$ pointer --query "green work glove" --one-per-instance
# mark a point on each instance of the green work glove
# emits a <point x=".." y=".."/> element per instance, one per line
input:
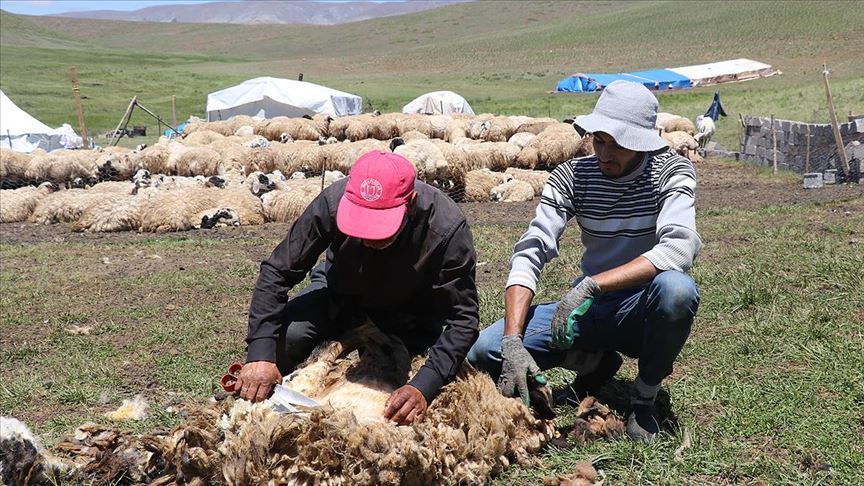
<point x="573" y="305"/>
<point x="517" y="366"/>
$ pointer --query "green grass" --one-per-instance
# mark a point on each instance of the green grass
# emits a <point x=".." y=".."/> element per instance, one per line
<point x="502" y="56"/>
<point x="769" y="385"/>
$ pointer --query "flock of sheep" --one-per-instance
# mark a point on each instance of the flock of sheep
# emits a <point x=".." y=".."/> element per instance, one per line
<point x="245" y="170"/>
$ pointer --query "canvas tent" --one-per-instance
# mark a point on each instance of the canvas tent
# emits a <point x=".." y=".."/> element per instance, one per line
<point x="673" y="78"/>
<point x="269" y="97"/>
<point x="21" y="132"/>
<point x="438" y="103"/>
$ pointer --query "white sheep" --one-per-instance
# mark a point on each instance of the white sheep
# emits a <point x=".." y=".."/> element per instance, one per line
<point x="521" y="139"/>
<point x="537" y="178"/>
<point x="555" y="144"/>
<point x="18" y="204"/>
<point x="427" y="159"/>
<point x="13" y="165"/>
<point x="512" y="191"/>
<point x="668" y="122"/>
<point x="479" y="184"/>
<point x="705" y="127"/>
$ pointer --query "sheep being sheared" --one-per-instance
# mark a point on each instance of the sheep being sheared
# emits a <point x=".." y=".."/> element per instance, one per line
<point x="470" y="433"/>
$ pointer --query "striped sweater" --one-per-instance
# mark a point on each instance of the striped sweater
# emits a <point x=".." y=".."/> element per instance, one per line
<point x="649" y="212"/>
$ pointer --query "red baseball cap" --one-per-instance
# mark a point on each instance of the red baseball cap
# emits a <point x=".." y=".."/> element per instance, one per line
<point x="380" y="186"/>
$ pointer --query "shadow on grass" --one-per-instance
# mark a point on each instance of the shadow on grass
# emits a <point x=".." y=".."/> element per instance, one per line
<point x="616" y="395"/>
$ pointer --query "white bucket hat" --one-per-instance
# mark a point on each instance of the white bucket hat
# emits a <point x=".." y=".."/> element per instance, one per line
<point x="627" y="111"/>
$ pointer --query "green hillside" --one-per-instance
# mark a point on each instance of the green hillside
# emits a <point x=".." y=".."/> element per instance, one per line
<point x="503" y="56"/>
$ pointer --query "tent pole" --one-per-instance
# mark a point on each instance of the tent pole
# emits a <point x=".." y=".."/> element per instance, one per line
<point x="125" y="117"/>
<point x="79" y="109"/>
<point x="157" y="118"/>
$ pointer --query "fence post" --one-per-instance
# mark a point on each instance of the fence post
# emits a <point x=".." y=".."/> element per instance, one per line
<point x="78" y="108"/>
<point x="774" y="143"/>
<point x="841" y="151"/>
<point x="807" y="157"/>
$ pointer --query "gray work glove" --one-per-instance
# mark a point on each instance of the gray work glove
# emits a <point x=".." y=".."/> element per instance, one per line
<point x="517" y="366"/>
<point x="574" y="304"/>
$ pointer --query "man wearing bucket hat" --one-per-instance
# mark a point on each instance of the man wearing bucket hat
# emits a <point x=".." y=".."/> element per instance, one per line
<point x="399" y="253"/>
<point x="634" y="203"/>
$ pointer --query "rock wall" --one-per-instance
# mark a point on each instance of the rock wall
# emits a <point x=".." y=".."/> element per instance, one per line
<point x="792" y="148"/>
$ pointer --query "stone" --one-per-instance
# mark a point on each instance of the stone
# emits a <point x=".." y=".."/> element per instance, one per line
<point x="829" y="176"/>
<point x="812" y="180"/>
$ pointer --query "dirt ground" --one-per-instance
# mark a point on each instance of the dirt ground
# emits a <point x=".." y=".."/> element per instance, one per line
<point x="721" y="185"/>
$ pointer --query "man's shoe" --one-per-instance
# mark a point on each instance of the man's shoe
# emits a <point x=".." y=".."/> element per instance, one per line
<point x="589" y="384"/>
<point x="642" y="424"/>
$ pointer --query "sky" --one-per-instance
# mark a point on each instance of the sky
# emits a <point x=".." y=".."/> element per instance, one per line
<point x="48" y="7"/>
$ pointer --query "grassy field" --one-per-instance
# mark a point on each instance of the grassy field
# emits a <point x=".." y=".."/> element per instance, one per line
<point x="770" y="385"/>
<point x="503" y="56"/>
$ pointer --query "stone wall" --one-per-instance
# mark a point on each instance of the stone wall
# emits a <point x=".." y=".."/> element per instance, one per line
<point x="756" y="145"/>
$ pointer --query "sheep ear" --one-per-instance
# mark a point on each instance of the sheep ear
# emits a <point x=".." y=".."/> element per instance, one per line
<point x="256" y="187"/>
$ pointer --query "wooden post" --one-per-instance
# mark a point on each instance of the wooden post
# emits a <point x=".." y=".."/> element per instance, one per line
<point x="807" y="157"/>
<point x="79" y="109"/>
<point x="174" y="109"/>
<point x="841" y="150"/>
<point x="774" y="143"/>
<point x="124" y="120"/>
<point x="741" y="132"/>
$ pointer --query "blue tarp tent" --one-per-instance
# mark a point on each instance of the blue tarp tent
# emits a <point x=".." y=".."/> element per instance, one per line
<point x="655" y="79"/>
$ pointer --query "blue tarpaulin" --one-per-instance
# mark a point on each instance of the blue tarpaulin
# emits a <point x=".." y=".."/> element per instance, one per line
<point x="655" y="79"/>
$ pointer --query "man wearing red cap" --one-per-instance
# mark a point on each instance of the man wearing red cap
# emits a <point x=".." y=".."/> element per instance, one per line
<point x="399" y="252"/>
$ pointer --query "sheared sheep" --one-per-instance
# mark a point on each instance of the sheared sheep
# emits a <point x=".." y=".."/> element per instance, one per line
<point x="537" y="178"/>
<point x="13" y="165"/>
<point x="192" y="161"/>
<point x="296" y="128"/>
<point x="155" y="159"/>
<point x="62" y="165"/>
<point x="492" y="155"/>
<point x="427" y="159"/>
<point x="536" y="126"/>
<point x="512" y="191"/>
<point x="668" y="122"/>
<point x="555" y="144"/>
<point x="288" y="203"/>
<point x="18" y="204"/>
<point x="202" y="138"/>
<point x="479" y="184"/>
<point x="521" y="139"/>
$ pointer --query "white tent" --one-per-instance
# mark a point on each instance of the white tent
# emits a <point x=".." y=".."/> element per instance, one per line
<point x="21" y="132"/>
<point x="269" y="97"/>
<point x="726" y="71"/>
<point x="438" y="102"/>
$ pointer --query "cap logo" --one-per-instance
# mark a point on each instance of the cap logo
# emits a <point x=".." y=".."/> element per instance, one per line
<point x="370" y="189"/>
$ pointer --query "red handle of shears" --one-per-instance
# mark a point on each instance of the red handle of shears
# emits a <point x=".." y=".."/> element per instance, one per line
<point x="230" y="379"/>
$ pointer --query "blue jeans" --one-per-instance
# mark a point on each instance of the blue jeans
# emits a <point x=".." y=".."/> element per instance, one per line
<point x="651" y="324"/>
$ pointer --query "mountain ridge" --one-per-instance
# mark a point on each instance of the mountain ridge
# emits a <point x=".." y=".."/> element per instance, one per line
<point x="258" y="12"/>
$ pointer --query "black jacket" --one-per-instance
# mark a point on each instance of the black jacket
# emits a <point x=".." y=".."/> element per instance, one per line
<point x="422" y="283"/>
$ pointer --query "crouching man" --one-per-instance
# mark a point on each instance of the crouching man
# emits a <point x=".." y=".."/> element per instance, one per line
<point x="634" y="203"/>
<point x="399" y="253"/>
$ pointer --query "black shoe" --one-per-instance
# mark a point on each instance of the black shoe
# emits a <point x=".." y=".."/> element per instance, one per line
<point x="642" y="423"/>
<point x="590" y="384"/>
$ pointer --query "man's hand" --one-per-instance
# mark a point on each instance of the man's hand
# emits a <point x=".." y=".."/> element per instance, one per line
<point x="574" y="304"/>
<point x="256" y="380"/>
<point x="405" y="406"/>
<point x="516" y="366"/>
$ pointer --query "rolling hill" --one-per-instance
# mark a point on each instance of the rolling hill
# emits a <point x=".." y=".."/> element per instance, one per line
<point x="503" y="56"/>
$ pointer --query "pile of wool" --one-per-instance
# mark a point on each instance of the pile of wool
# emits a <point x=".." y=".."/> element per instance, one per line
<point x="470" y="434"/>
<point x="594" y="420"/>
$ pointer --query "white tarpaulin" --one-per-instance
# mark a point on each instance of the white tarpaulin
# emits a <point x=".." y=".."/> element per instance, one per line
<point x="725" y="71"/>
<point x="21" y="132"/>
<point x="269" y="97"/>
<point x="438" y="103"/>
